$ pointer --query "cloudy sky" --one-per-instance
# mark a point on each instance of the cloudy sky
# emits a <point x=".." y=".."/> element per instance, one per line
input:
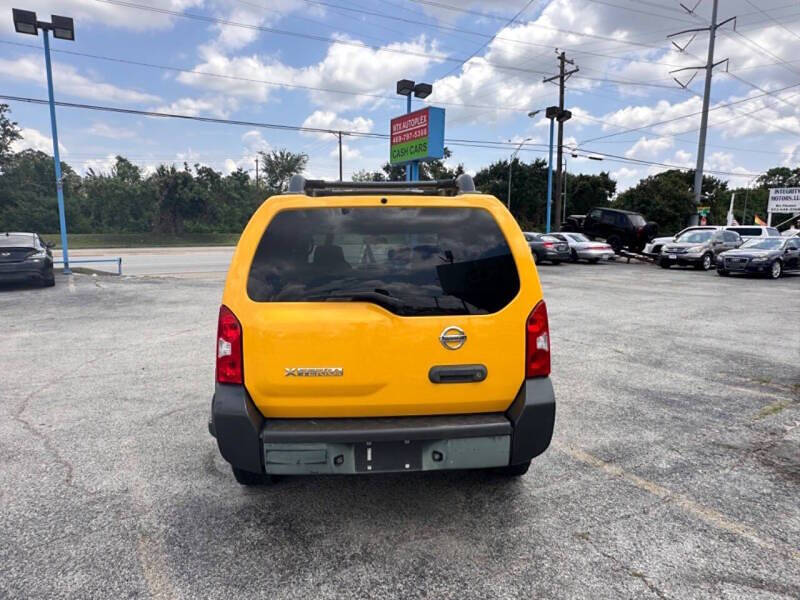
<point x="334" y="63"/>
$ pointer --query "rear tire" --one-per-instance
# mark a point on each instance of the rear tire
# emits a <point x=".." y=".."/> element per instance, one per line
<point x="248" y="478"/>
<point x="573" y="255"/>
<point x="49" y="280"/>
<point x="593" y="261"/>
<point x="556" y="262"/>
<point x="513" y="470"/>
<point x="776" y="270"/>
<point x="616" y="243"/>
<point x="664" y="263"/>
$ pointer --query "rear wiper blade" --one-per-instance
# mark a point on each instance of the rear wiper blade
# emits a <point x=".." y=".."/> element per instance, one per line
<point x="378" y="297"/>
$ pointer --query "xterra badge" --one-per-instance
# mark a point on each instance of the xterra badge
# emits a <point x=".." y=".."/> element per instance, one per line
<point x="313" y="371"/>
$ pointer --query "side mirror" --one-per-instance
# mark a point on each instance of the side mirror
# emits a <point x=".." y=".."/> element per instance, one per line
<point x="50" y="245"/>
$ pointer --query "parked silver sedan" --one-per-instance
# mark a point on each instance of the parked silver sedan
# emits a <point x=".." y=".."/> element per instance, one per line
<point x="582" y="248"/>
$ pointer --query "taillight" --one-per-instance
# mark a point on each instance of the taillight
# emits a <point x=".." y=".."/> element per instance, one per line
<point x="548" y="244"/>
<point x="229" y="348"/>
<point x="537" y="342"/>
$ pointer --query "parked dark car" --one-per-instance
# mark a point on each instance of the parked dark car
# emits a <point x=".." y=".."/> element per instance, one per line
<point x="699" y="248"/>
<point x="547" y="248"/>
<point x="620" y="228"/>
<point x="771" y="256"/>
<point x="25" y="257"/>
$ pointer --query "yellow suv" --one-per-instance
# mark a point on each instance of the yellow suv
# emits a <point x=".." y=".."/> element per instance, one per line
<point x="381" y="327"/>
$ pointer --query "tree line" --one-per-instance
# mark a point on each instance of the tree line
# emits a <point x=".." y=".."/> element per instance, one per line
<point x="199" y="199"/>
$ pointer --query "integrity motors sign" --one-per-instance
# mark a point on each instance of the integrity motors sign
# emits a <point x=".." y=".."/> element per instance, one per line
<point x="417" y="135"/>
<point x="784" y="200"/>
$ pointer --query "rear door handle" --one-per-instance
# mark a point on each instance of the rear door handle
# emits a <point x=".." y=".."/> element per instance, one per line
<point x="457" y="374"/>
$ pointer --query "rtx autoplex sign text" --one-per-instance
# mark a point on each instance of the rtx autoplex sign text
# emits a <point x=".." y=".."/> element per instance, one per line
<point x="417" y="135"/>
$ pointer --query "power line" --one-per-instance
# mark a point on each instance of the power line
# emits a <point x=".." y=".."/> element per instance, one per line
<point x="335" y="41"/>
<point x="489" y="40"/>
<point x="773" y="19"/>
<point x="297" y="128"/>
<point x="694" y="114"/>
<point x="251" y="80"/>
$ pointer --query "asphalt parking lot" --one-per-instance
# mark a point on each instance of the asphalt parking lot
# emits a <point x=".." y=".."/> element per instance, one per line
<point x="674" y="471"/>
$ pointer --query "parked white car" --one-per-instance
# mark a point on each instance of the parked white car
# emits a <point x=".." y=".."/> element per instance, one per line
<point x="582" y="248"/>
<point x="747" y="232"/>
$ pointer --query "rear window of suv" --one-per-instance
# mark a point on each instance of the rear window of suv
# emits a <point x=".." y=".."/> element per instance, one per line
<point x="414" y="261"/>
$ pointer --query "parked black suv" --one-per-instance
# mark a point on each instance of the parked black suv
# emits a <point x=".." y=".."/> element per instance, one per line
<point x="620" y="228"/>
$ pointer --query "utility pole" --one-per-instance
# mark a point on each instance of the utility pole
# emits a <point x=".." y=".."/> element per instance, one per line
<point x="562" y="77"/>
<point x="709" y="69"/>
<point x="340" y="156"/>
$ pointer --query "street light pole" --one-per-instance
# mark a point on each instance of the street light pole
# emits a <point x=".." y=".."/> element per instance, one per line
<point x="510" y="165"/>
<point x="62" y="27"/>
<point x="549" y="178"/>
<point x="62" y="221"/>
<point x="531" y="114"/>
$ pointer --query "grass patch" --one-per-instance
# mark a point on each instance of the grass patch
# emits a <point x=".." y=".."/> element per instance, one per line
<point x="79" y="241"/>
<point x="772" y="409"/>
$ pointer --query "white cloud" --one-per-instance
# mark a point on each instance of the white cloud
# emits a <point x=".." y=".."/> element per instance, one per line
<point x="324" y="119"/>
<point x="68" y="81"/>
<point x="86" y="12"/>
<point x="253" y="142"/>
<point x="350" y="68"/>
<point x="649" y="147"/>
<point x="34" y="139"/>
<point x="232" y="37"/>
<point x="625" y="177"/>
<point x="101" y="165"/>
<point x="107" y="131"/>
<point x="217" y="106"/>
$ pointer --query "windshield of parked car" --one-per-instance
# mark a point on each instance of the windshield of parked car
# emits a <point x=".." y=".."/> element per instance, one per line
<point x="695" y="237"/>
<point x="578" y="237"/>
<point x="764" y="244"/>
<point x="410" y="260"/>
<point x="637" y="220"/>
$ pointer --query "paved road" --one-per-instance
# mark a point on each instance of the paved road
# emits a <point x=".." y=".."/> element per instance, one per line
<point x="674" y="472"/>
<point x="158" y="261"/>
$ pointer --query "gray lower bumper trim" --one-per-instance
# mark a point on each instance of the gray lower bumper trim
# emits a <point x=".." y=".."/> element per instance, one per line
<point x="436" y="455"/>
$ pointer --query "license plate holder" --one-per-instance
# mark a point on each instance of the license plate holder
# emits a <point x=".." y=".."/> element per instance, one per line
<point x="377" y="457"/>
<point x="672" y="256"/>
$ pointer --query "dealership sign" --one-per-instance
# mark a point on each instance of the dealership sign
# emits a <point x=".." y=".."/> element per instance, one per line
<point x="784" y="200"/>
<point x="417" y="135"/>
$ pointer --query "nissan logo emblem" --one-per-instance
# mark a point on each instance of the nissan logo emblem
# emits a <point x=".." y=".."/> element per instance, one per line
<point x="453" y="338"/>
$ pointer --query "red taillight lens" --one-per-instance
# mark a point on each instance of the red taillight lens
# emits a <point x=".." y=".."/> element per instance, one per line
<point x="537" y="342"/>
<point x="229" y="348"/>
<point x="548" y="244"/>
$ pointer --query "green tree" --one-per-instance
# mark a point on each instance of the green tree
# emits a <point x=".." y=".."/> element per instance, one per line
<point x="528" y="189"/>
<point x="280" y="165"/>
<point x="584" y="192"/>
<point x="28" y="194"/>
<point x="9" y="133"/>
<point x="667" y="198"/>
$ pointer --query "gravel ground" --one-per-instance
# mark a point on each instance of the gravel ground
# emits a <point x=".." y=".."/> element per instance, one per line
<point x="674" y="470"/>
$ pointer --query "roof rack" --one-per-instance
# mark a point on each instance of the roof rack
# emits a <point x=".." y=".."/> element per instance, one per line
<point x="462" y="184"/>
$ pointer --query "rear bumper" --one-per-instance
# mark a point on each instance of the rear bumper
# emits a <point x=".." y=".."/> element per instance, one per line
<point x="250" y="442"/>
<point x="22" y="271"/>
<point x="557" y="254"/>
<point x="592" y="254"/>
